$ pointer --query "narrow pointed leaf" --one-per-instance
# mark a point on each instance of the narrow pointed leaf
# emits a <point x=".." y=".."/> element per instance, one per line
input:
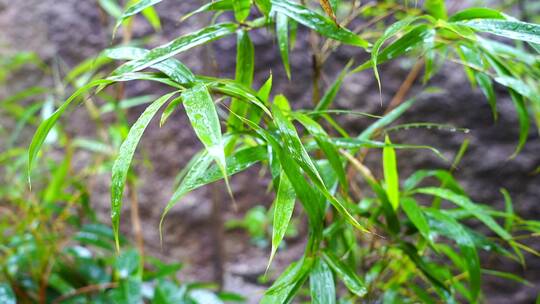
<point x="476" y="13"/>
<point x="125" y="155"/>
<point x="511" y="29"/>
<point x="321" y="284"/>
<point x="219" y="5"/>
<point x="465" y="203"/>
<point x="178" y="45"/>
<point x="245" y="63"/>
<point x="447" y="226"/>
<point x="391" y="179"/>
<point x="283" y="210"/>
<point x="282" y="32"/>
<point x="171" y="67"/>
<point x="169" y="110"/>
<point x="46" y="126"/>
<point x="317" y="22"/>
<point x="346" y="274"/>
<point x="203" y="117"/>
<point x="135" y="9"/>
<point x="241" y="9"/>
<point x="436" y="8"/>
<point x="416" y="215"/>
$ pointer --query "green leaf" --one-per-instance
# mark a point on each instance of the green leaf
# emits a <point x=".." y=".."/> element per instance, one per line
<point x="331" y="93"/>
<point x="449" y="227"/>
<point x="511" y="29"/>
<point x="201" y="173"/>
<point x="123" y="161"/>
<point x="391" y="179"/>
<point x="317" y="22"/>
<point x="282" y="32"/>
<point x="178" y="45"/>
<point x="296" y="151"/>
<point x="327" y="146"/>
<point x="509" y="209"/>
<point x="436" y="8"/>
<point x="349" y="277"/>
<point x="203" y="116"/>
<point x="321" y="283"/>
<point x="416" y="215"/>
<point x="171" y="67"/>
<point x="283" y="210"/>
<point x="241" y="9"/>
<point x="476" y="13"/>
<point x="7" y="296"/>
<point x="264" y="6"/>
<point x="46" y="126"/>
<point x="219" y="5"/>
<point x="152" y="17"/>
<point x="386" y="119"/>
<point x="128" y="291"/>
<point x="134" y="9"/>
<point x="417" y="36"/>
<point x="111" y="7"/>
<point x="245" y="64"/>
<point x="289" y="282"/>
<point x="465" y="203"/>
<point x="169" y="110"/>
<point x="388" y="33"/>
<point x="486" y="85"/>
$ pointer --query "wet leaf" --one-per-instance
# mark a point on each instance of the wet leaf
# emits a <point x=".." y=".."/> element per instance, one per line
<point x="123" y="161"/>
<point x="283" y="210"/>
<point x="346" y="274"/>
<point x="511" y="29"/>
<point x="321" y="284"/>
<point x="176" y="46"/>
<point x="241" y="9"/>
<point x="391" y="179"/>
<point x="318" y="23"/>
<point x="282" y="31"/>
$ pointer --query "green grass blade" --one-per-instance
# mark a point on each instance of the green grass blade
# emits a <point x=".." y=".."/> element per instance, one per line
<point x="123" y="161"/>
<point x="416" y="215"/>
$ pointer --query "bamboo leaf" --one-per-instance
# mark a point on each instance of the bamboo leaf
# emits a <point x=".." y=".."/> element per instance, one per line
<point x="321" y="283"/>
<point x="203" y="117"/>
<point x="325" y="143"/>
<point x="331" y="93"/>
<point x="241" y="9"/>
<point x="171" y="67"/>
<point x="391" y="179"/>
<point x="347" y="275"/>
<point x="169" y="110"/>
<point x="465" y="203"/>
<point x="46" y="126"/>
<point x="135" y="9"/>
<point x="176" y="46"/>
<point x="201" y="173"/>
<point x="219" y="5"/>
<point x="289" y="282"/>
<point x="283" y="210"/>
<point x="317" y="22"/>
<point x="282" y="31"/>
<point x="476" y="13"/>
<point x="245" y="63"/>
<point x="447" y="226"/>
<point x="436" y="8"/>
<point x="123" y="161"/>
<point x="511" y="29"/>
<point x="416" y="215"/>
